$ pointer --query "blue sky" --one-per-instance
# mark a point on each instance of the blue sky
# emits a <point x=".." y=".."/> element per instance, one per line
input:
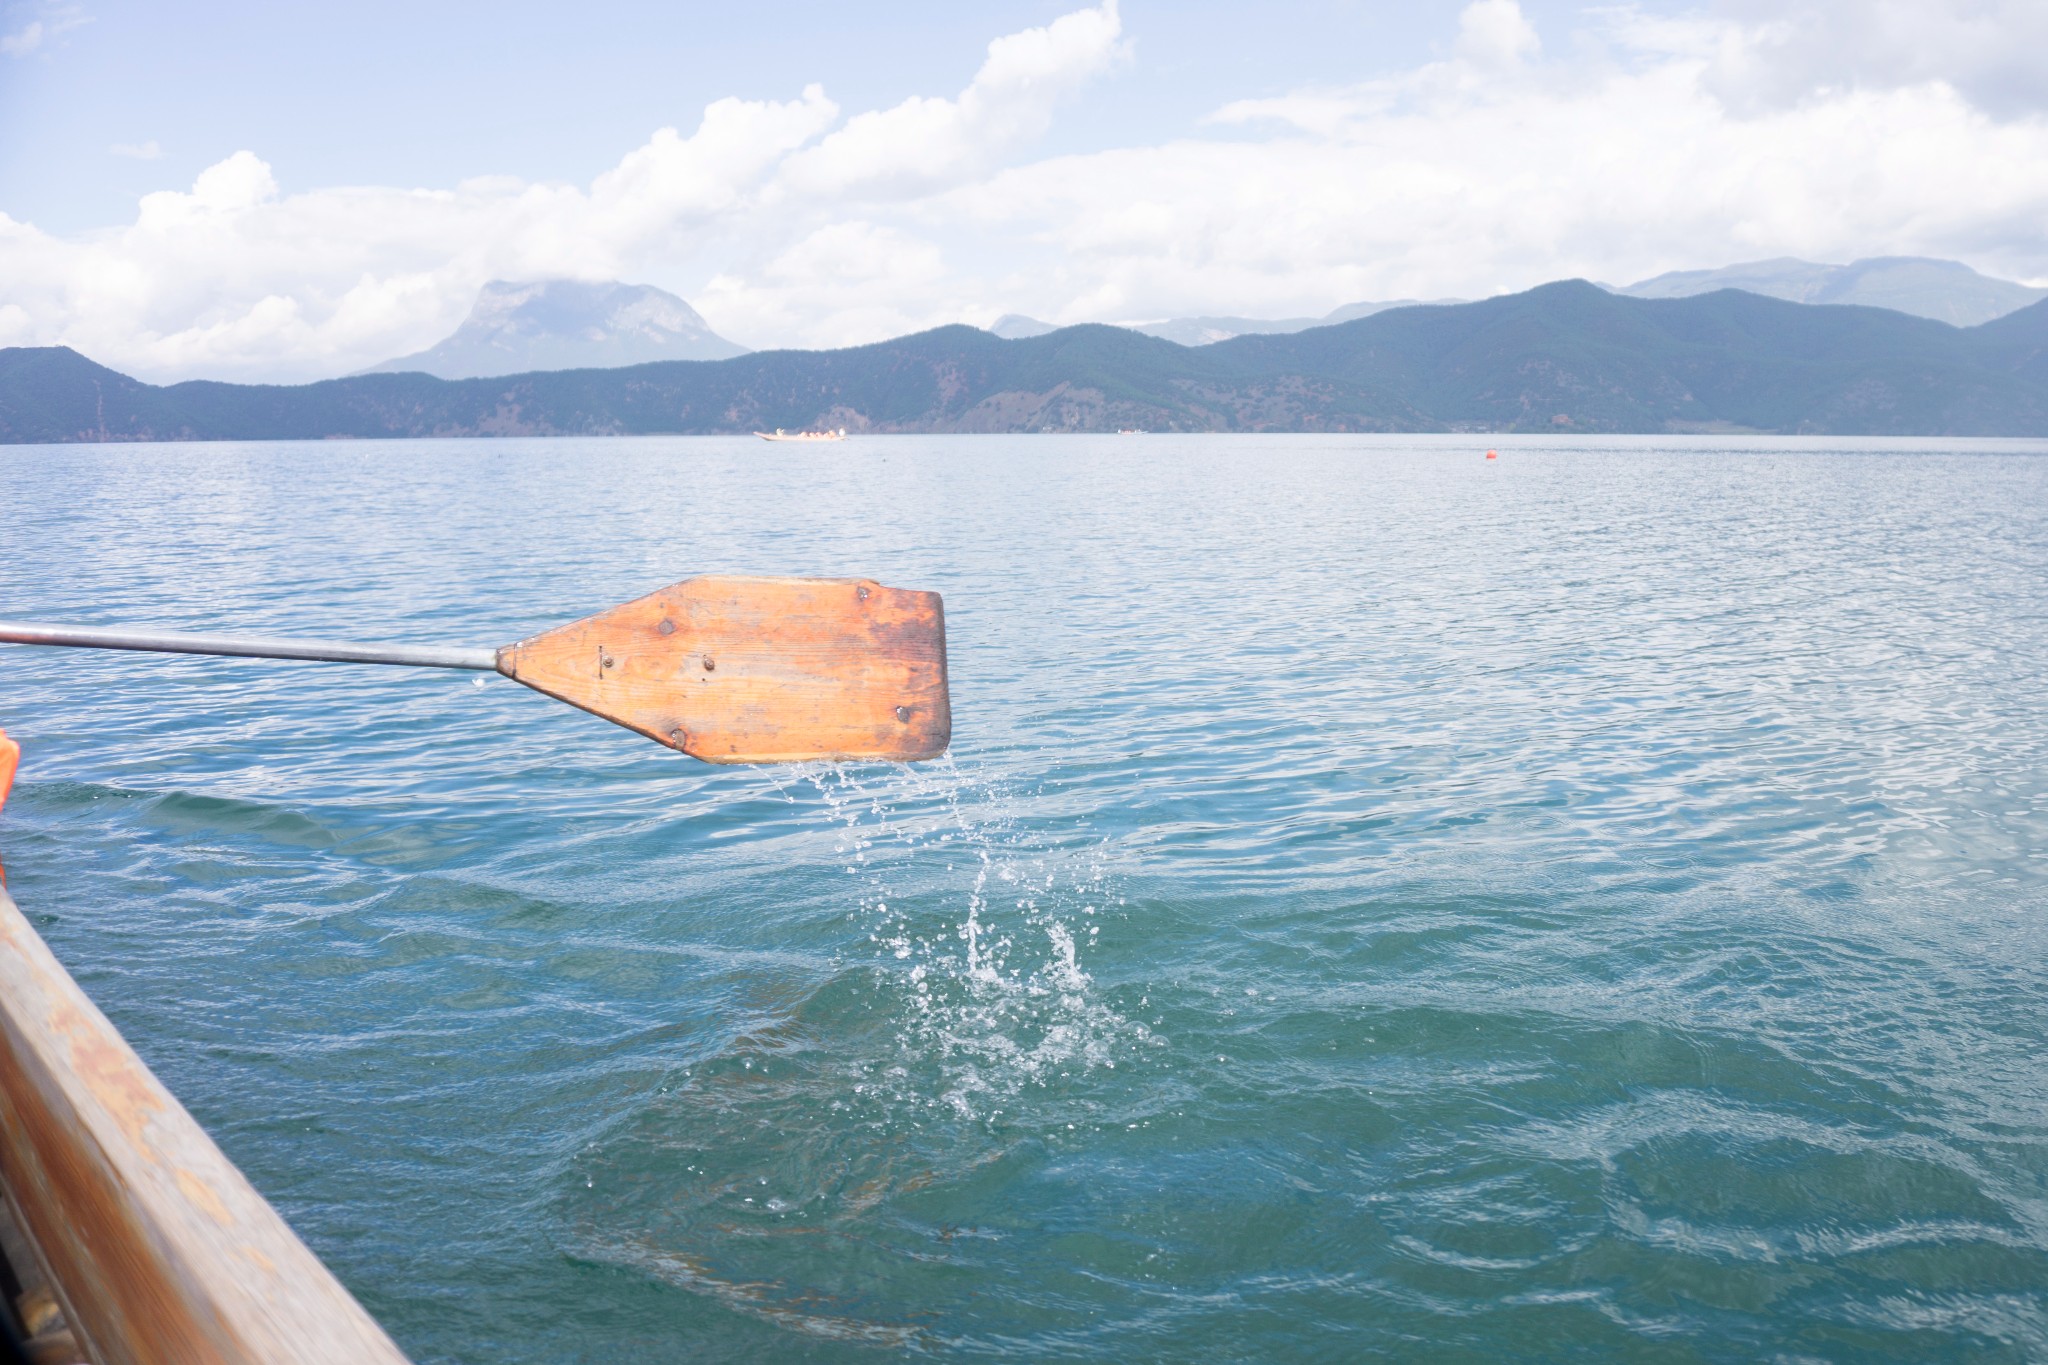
<point x="375" y="92"/>
<point x="267" y="191"/>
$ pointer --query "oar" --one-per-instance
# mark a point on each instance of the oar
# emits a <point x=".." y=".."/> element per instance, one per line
<point x="726" y="669"/>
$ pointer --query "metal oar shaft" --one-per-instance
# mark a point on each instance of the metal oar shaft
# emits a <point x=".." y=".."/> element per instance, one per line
<point x="250" y="646"/>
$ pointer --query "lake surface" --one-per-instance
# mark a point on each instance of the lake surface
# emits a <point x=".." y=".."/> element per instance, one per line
<point x="1588" y="905"/>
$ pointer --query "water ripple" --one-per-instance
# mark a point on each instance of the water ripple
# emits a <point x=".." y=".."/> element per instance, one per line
<point x="1382" y="902"/>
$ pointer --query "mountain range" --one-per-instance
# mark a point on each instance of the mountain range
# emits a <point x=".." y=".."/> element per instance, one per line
<point x="1947" y="291"/>
<point x="1206" y="331"/>
<point x="1565" y="357"/>
<point x="521" y="328"/>
<point x="566" y="325"/>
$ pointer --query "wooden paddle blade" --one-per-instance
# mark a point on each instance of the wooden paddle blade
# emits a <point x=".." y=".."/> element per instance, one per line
<point x="758" y="670"/>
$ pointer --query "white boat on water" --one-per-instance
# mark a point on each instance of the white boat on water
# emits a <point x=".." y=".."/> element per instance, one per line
<point x="779" y="434"/>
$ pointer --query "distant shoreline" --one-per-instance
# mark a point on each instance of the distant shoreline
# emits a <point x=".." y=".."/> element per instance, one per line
<point x="1563" y="359"/>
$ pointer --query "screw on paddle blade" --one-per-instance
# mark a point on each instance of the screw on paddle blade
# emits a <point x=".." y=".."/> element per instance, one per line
<point x="758" y="670"/>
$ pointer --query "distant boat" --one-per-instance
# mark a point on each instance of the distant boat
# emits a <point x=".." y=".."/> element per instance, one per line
<point x="1131" y="431"/>
<point x="780" y="435"/>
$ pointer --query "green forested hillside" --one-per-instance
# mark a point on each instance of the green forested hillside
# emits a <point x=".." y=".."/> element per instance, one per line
<point x="1564" y="357"/>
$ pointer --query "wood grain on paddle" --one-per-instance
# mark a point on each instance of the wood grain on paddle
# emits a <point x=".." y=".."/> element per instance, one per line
<point x="758" y="670"/>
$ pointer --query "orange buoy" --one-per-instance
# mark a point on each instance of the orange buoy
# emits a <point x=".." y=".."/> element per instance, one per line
<point x="1493" y="455"/>
<point x="10" y="755"/>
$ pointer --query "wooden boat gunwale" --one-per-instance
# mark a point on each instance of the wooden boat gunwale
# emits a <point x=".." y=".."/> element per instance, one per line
<point x="156" y="1248"/>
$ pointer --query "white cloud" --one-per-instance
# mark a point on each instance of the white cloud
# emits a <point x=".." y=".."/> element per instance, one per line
<point x="235" y="278"/>
<point x="1494" y="34"/>
<point x="1995" y="52"/>
<point x="138" y="151"/>
<point x="868" y="279"/>
<point x="1492" y="171"/>
<point x="27" y="40"/>
<point x="33" y="35"/>
<point x="923" y="145"/>
<point x="1627" y="146"/>
<point x="674" y="182"/>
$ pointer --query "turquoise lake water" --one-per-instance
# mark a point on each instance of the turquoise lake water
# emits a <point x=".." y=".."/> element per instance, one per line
<point x="1381" y="903"/>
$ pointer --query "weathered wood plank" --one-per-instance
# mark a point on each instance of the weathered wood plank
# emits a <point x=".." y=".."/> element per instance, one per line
<point x="159" y="1250"/>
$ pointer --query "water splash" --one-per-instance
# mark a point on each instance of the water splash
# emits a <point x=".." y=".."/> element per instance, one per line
<point x="979" y="922"/>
